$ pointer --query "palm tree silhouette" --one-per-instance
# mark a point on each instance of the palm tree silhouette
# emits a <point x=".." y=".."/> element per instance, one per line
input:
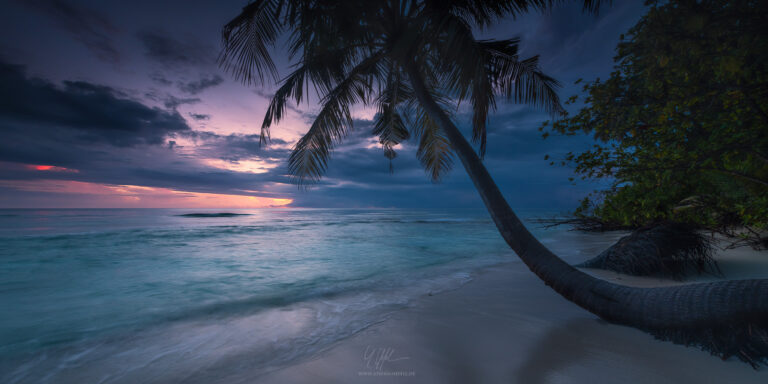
<point x="414" y="61"/>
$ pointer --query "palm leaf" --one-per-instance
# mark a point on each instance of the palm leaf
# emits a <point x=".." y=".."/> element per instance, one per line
<point x="325" y="69"/>
<point x="434" y="151"/>
<point x="309" y="159"/>
<point x="247" y="39"/>
<point x="464" y="63"/>
<point x="292" y="87"/>
<point x="521" y="80"/>
<point x="389" y="124"/>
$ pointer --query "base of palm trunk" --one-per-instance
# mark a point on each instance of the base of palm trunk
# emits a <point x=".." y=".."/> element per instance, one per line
<point x="667" y="249"/>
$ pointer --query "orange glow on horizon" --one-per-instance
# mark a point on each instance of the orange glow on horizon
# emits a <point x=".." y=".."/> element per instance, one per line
<point x="136" y="196"/>
<point x="51" y="168"/>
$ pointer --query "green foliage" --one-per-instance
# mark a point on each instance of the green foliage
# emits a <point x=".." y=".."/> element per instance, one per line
<point x="682" y="122"/>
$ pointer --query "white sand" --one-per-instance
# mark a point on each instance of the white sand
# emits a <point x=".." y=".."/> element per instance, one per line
<point x="506" y="326"/>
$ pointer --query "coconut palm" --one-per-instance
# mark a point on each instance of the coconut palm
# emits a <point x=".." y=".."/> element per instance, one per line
<point x="415" y="61"/>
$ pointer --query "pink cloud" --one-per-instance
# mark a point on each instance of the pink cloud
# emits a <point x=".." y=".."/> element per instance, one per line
<point x="50" y="168"/>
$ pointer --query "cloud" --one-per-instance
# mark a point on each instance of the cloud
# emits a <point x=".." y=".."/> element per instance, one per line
<point x="59" y="133"/>
<point x="89" y="133"/>
<point x="200" y="116"/>
<point x="261" y="92"/>
<point x="82" y="111"/>
<point x="237" y="147"/>
<point x="571" y="43"/>
<point x="290" y="105"/>
<point x="87" y="26"/>
<point x="160" y="79"/>
<point x="78" y="194"/>
<point x="195" y="87"/>
<point x="173" y="102"/>
<point x="171" y="52"/>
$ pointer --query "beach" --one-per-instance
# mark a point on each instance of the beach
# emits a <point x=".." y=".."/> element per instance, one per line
<point x="506" y="326"/>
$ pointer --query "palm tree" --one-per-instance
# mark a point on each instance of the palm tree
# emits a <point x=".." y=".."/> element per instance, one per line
<point x="414" y="61"/>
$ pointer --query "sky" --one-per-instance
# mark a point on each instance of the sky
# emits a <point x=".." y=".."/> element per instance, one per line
<point x="120" y="104"/>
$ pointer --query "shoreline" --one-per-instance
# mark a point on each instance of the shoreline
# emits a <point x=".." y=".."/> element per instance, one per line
<point x="506" y="326"/>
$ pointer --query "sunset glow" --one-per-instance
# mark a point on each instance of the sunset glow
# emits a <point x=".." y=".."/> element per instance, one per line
<point x="129" y="196"/>
<point x="50" y="168"/>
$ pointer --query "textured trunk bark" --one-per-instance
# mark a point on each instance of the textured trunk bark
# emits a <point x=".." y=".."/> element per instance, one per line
<point x="702" y="305"/>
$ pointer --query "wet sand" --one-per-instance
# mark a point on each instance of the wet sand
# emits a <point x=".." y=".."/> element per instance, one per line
<point x="506" y="326"/>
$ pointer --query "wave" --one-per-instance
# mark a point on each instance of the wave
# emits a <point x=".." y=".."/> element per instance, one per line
<point x="219" y="214"/>
<point x="209" y="231"/>
<point x="227" y="338"/>
<point x="410" y="221"/>
<point x="132" y="235"/>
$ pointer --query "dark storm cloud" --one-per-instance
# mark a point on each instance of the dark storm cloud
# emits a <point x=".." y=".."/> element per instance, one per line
<point x="87" y="26"/>
<point x="88" y="113"/>
<point x="172" y="52"/>
<point x="205" y="82"/>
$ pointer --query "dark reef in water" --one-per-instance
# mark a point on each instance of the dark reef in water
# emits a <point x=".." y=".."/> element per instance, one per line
<point x="220" y="214"/>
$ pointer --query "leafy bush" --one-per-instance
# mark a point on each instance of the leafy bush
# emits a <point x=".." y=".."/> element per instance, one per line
<point x="682" y="122"/>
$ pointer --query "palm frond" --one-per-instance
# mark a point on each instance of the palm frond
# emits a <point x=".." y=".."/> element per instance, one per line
<point x="324" y="68"/>
<point x="389" y="124"/>
<point x="390" y="127"/>
<point x="434" y="151"/>
<point x="464" y="64"/>
<point x="521" y="80"/>
<point x="309" y="159"/>
<point x="247" y="39"/>
<point x="292" y="87"/>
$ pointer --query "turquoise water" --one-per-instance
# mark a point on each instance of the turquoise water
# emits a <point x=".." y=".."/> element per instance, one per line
<point x="123" y="295"/>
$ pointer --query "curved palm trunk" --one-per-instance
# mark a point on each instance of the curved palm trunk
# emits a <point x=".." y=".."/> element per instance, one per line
<point x="703" y="306"/>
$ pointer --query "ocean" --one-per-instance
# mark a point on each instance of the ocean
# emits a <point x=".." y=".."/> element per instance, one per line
<point x="153" y="295"/>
